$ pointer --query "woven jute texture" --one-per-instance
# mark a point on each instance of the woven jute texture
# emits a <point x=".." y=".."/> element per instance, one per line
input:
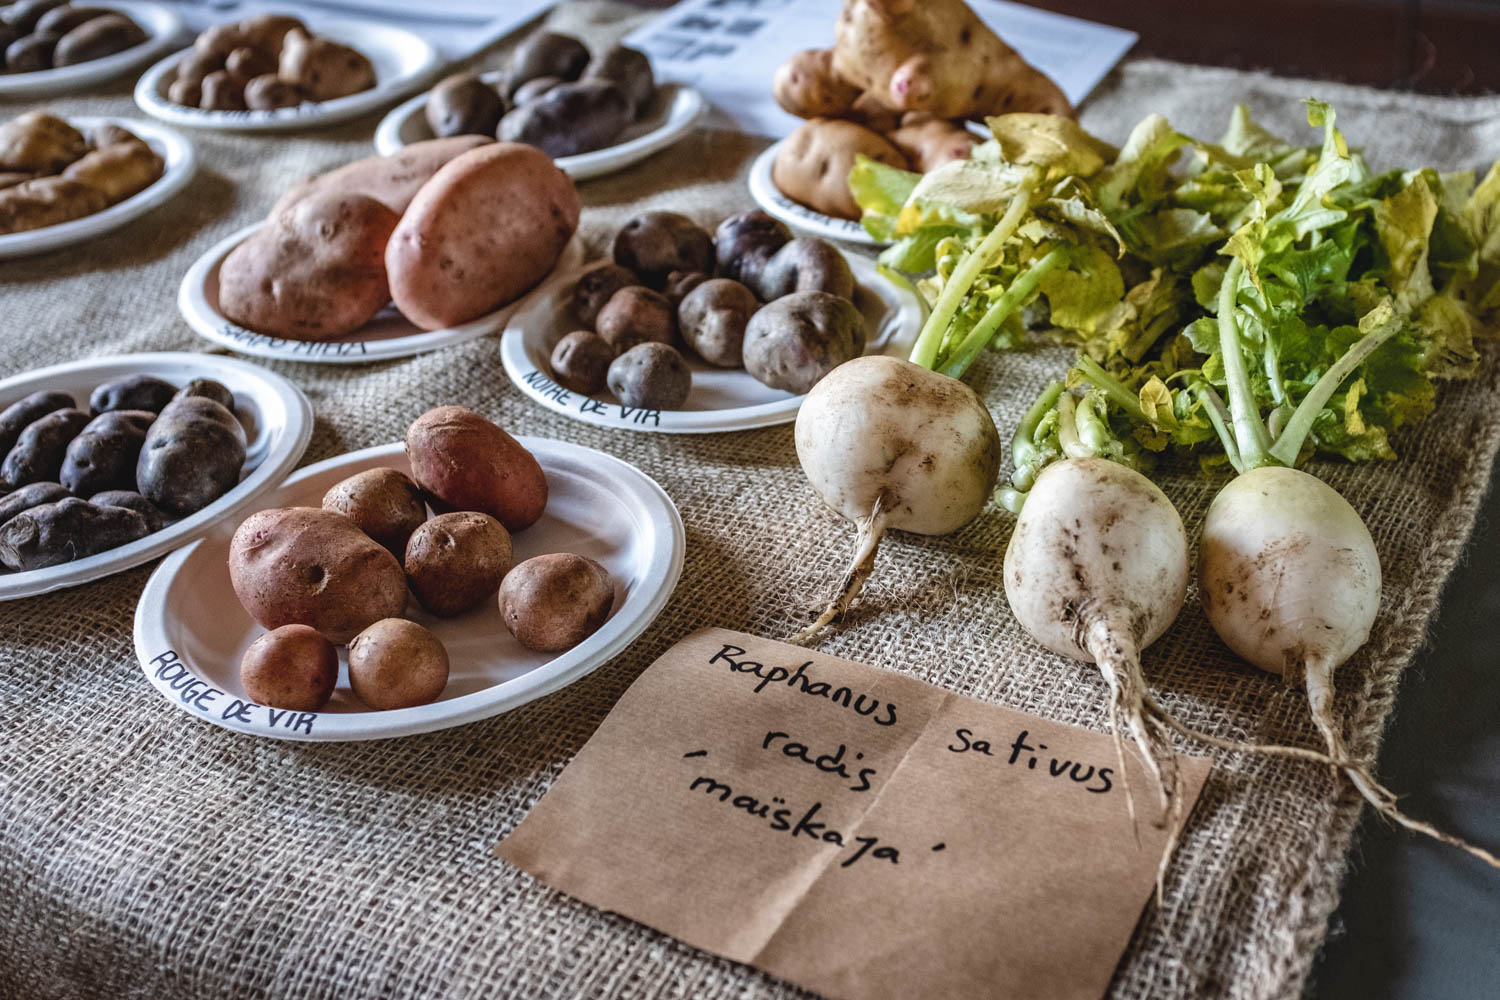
<point x="147" y="854"/>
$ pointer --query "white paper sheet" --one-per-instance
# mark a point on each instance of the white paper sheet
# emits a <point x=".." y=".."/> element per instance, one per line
<point x="729" y="49"/>
<point x="458" y="28"/>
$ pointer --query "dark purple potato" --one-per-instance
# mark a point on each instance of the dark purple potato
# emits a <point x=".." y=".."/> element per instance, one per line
<point x="192" y="456"/>
<point x="37" y="455"/>
<point x="103" y="455"/>
<point x="630" y="70"/>
<point x="680" y="284"/>
<point x="651" y="376"/>
<point x="155" y="517"/>
<point x="67" y="17"/>
<point x="208" y="389"/>
<point x="31" y="53"/>
<point x="463" y="104"/>
<point x="595" y="288"/>
<point x="27" y="497"/>
<point x="744" y="243"/>
<point x="545" y="53"/>
<point x="534" y="88"/>
<point x="581" y="361"/>
<point x="794" y="341"/>
<point x="569" y="119"/>
<point x="25" y="15"/>
<point x="64" y="531"/>
<point x="806" y="264"/>
<point x="17" y="416"/>
<point x="654" y="244"/>
<point x="712" y="320"/>
<point x="132" y="392"/>
<point x="96" y="38"/>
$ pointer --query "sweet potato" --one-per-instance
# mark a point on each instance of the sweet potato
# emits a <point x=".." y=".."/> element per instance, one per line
<point x="813" y="164"/>
<point x="937" y="56"/>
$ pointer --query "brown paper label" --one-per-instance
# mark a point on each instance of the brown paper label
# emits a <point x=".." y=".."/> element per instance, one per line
<point x="858" y="832"/>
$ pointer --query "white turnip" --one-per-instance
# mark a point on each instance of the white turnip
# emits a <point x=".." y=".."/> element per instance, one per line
<point x="890" y="444"/>
<point x="1097" y="569"/>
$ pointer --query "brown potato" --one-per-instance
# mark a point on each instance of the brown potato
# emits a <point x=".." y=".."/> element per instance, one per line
<point x="39" y="143"/>
<point x="654" y="244"/>
<point x="220" y="91"/>
<point x="218" y="41"/>
<point x="806" y="264"/>
<point x="793" y="342"/>
<point x="456" y="561"/>
<point x="544" y="53"/>
<point x="636" y="315"/>
<point x="290" y="667"/>
<point x="269" y="91"/>
<point x="467" y="463"/>
<point x="267" y="32"/>
<point x="484" y="231"/>
<point x="813" y="164"/>
<point x="384" y="503"/>
<point x="323" y="69"/>
<point x="581" y="361"/>
<point x="397" y="663"/>
<point x="650" y="376"/>
<point x="246" y="63"/>
<point x="463" y="104"/>
<point x="313" y="272"/>
<point x="96" y="38"/>
<point x="712" y="319"/>
<point x="806" y="86"/>
<point x="680" y="283"/>
<point x="308" y="566"/>
<point x="392" y="180"/>
<point x="118" y="171"/>
<point x="595" y="288"/>
<point x="929" y="142"/>
<point x="555" y="601"/>
<point x="630" y="70"/>
<point x="47" y="201"/>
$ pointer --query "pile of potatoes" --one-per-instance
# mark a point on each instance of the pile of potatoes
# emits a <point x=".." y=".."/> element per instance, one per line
<point x="51" y="173"/>
<point x="449" y="230"/>
<point x="553" y="96"/>
<point x="322" y="577"/>
<point x="265" y="62"/>
<point x="38" y="35"/>
<point x="747" y="296"/>
<point x="78" y="482"/>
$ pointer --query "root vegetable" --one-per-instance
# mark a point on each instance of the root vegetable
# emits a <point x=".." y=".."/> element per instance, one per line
<point x="795" y="341"/>
<point x="596" y="287"/>
<point x="812" y="167"/>
<point x="291" y="667"/>
<point x="806" y="86"/>
<point x="890" y="444"/>
<point x="467" y="463"/>
<point x="383" y="503"/>
<point x="555" y="601"/>
<point x="456" y="561"/>
<point x="581" y="361"/>
<point x="397" y="663"/>
<point x="806" y="264"/>
<point x="650" y="376"/>
<point x="654" y="244"/>
<point x="745" y="242"/>
<point x="636" y="315"/>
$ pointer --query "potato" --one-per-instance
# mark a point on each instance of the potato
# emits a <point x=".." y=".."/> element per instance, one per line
<point x="321" y="68"/>
<point x="806" y="86"/>
<point x="267" y="32"/>
<point x="806" y="264"/>
<point x="131" y="392"/>
<point x="209" y="389"/>
<point x="192" y="455"/>
<point x="484" y="231"/>
<point x="928" y="143"/>
<point x="467" y="463"/>
<point x="636" y="315"/>
<point x="221" y="91"/>
<point x="534" y="88"/>
<point x="217" y="42"/>
<point x="155" y="517"/>
<point x="96" y="38"/>
<point x="314" y="272"/>
<point x="268" y="92"/>
<point x="794" y="341"/>
<point x="813" y="164"/>
<point x="392" y="180"/>
<point x="383" y="503"/>
<point x="15" y="417"/>
<point x="680" y="284"/>
<point x="397" y="663"/>
<point x="555" y="601"/>
<point x="10" y="178"/>
<point x="47" y="201"/>
<point x="246" y="63"/>
<point x="307" y="566"/>
<point x="31" y="53"/>
<point x="63" y="531"/>
<point x="456" y="561"/>
<point x="569" y="119"/>
<point x="712" y="319"/>
<point x="463" y="104"/>
<point x="118" y="171"/>
<point x="581" y="361"/>
<point x="24" y="15"/>
<point x="544" y="53"/>
<point x="61" y="20"/>
<point x="654" y="244"/>
<point x="290" y="667"/>
<point x="630" y="70"/>
<point x="872" y="114"/>
<point x="37" y="455"/>
<point x="185" y="92"/>
<point x="651" y="376"/>
<point x="29" y="496"/>
<point x="103" y="455"/>
<point x="193" y="67"/>
<point x="39" y="143"/>
<point x="594" y="289"/>
<point x="743" y="243"/>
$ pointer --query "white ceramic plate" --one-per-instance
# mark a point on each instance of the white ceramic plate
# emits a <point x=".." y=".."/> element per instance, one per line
<point x="674" y="111"/>
<point x="161" y="25"/>
<point x="278" y="424"/>
<point x="180" y="162"/>
<point x="388" y="335"/>
<point x="191" y="632"/>
<point x="722" y="399"/>
<point x="797" y="215"/>
<point x="403" y="62"/>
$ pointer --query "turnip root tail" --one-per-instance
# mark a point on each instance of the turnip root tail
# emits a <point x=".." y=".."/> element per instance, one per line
<point x="871" y="529"/>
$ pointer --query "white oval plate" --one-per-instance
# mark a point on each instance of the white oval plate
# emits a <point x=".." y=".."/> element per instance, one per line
<point x="180" y="163"/>
<point x="674" y="111"/>
<point x="403" y="62"/>
<point x="722" y="399"/>
<point x="191" y="632"/>
<point x="797" y="215"/>
<point x="161" y="25"/>
<point x="388" y="335"/>
<point x="278" y="423"/>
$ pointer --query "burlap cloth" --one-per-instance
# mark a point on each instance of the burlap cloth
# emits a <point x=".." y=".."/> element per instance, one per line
<point x="144" y="853"/>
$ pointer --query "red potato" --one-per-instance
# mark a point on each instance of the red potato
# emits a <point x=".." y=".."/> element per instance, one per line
<point x="937" y="56"/>
<point x="290" y="667"/>
<point x="464" y="462"/>
<point x="393" y="180"/>
<point x="484" y="231"/>
<point x="397" y="663"/>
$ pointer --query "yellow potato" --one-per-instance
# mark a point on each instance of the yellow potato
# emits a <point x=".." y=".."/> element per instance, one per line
<point x="813" y="164"/>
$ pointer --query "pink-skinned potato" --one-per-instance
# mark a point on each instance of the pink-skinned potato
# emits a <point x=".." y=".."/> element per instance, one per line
<point x="314" y="272"/>
<point x="464" y="462"/>
<point x="309" y="566"/>
<point x="392" y="180"/>
<point x="485" y="230"/>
